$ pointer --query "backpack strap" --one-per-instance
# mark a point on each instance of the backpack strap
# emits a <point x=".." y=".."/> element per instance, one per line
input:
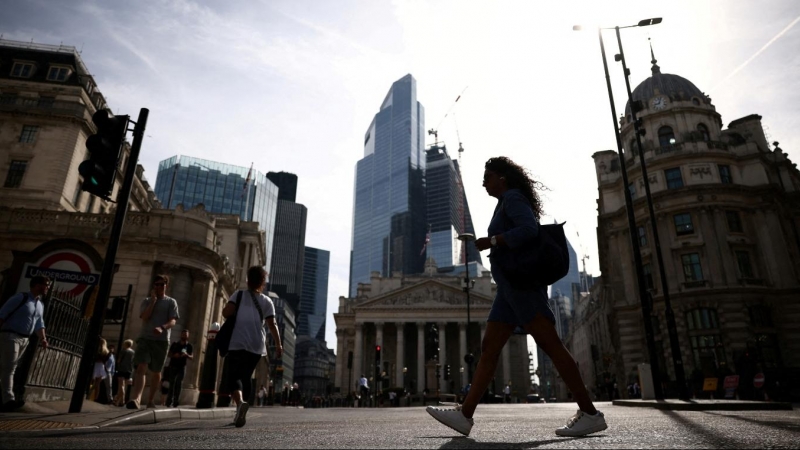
<point x="258" y="307"/>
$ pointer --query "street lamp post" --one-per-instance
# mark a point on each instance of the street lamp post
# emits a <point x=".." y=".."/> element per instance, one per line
<point x="680" y="376"/>
<point x="467" y="286"/>
<point x="644" y="296"/>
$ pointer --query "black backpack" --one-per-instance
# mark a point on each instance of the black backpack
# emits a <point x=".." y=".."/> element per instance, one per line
<point x="539" y="262"/>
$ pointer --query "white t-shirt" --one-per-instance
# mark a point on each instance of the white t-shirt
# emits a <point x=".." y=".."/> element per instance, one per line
<point x="248" y="331"/>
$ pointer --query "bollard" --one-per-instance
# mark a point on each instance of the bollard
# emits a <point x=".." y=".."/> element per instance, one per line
<point x="208" y="379"/>
<point x="224" y="397"/>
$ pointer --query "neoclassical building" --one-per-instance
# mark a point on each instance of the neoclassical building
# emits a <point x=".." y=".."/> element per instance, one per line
<point x="396" y="313"/>
<point x="727" y="209"/>
<point x="49" y="225"/>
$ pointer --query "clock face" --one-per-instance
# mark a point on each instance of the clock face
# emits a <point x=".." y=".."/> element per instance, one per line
<point x="660" y="102"/>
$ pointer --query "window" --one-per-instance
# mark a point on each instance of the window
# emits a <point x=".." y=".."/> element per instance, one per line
<point x="15" y="173"/>
<point x="28" y="134"/>
<point x="703" y="130"/>
<point x="691" y="267"/>
<point x="642" y="237"/>
<point x="707" y="347"/>
<point x="674" y="179"/>
<point x="683" y="224"/>
<point x="8" y="99"/>
<point x="90" y="203"/>
<point x="57" y="73"/>
<point x="734" y="222"/>
<point x="647" y="269"/>
<point x="695" y="101"/>
<point x="22" y="70"/>
<point x="77" y="195"/>
<point x="632" y="190"/>
<point x="665" y="136"/>
<point x="743" y="262"/>
<point x="725" y="174"/>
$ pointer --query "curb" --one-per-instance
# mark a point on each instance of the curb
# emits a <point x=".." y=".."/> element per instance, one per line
<point x="152" y="416"/>
<point x="706" y="406"/>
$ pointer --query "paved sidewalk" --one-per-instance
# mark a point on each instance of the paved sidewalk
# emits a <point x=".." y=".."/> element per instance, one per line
<point x="55" y="415"/>
<point x="705" y="405"/>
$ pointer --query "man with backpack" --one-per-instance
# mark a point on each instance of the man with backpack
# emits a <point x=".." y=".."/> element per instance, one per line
<point x="20" y="317"/>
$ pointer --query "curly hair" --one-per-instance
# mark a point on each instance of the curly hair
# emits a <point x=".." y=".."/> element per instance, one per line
<point x="518" y="177"/>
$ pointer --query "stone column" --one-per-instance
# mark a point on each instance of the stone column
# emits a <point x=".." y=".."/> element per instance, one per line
<point x="341" y="361"/>
<point x="358" y="352"/>
<point x="420" y="357"/>
<point x="400" y="350"/>
<point x="442" y="355"/>
<point x="195" y="321"/>
<point x="462" y="339"/>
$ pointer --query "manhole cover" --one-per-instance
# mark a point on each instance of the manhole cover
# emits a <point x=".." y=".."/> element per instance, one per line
<point x="29" y="424"/>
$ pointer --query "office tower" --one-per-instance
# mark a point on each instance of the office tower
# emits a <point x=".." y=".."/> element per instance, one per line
<point x="563" y="288"/>
<point x="287" y="184"/>
<point x="222" y="189"/>
<point x="389" y="222"/>
<point x="286" y="277"/>
<point x="447" y="210"/>
<point x="314" y="299"/>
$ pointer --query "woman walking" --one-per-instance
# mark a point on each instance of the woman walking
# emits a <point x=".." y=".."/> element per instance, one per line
<point x="515" y="222"/>
<point x="248" y="340"/>
<point x="100" y="373"/>
<point x="124" y="371"/>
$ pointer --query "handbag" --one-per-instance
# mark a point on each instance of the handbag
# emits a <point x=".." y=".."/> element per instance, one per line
<point x="225" y="332"/>
<point x="539" y="262"/>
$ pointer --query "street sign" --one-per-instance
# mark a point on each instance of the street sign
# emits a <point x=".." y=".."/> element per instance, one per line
<point x="710" y="384"/>
<point x="731" y="382"/>
<point x="758" y="380"/>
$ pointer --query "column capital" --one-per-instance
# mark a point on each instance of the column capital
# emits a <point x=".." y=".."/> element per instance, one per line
<point x="379" y="324"/>
<point x="462" y="325"/>
<point x="421" y="325"/>
<point x="483" y="325"/>
<point x="358" y="326"/>
<point x="441" y="325"/>
<point x="340" y="332"/>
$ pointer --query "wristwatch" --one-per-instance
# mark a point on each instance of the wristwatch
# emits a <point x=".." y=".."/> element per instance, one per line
<point x="493" y="240"/>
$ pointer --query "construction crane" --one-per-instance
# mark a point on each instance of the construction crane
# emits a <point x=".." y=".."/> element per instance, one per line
<point x="461" y="198"/>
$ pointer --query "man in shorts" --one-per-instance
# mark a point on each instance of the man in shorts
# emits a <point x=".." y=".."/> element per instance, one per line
<point x="159" y="314"/>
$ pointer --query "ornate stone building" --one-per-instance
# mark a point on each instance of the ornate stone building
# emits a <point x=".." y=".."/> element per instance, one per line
<point x="48" y="225"/>
<point x="727" y="208"/>
<point x="396" y="312"/>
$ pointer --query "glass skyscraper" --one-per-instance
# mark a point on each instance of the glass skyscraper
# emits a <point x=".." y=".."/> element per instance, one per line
<point x="389" y="217"/>
<point x="448" y="210"/>
<point x="222" y="189"/>
<point x="314" y="300"/>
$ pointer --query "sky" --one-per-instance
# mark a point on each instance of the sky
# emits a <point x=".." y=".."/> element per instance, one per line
<point x="293" y="85"/>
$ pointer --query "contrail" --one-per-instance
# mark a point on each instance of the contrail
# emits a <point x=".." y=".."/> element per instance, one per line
<point x="742" y="66"/>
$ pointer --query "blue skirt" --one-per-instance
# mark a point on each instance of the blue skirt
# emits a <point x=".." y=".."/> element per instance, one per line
<point x="518" y="307"/>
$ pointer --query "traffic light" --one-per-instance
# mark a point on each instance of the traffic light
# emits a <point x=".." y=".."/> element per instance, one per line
<point x="377" y="362"/>
<point x="117" y="309"/>
<point x="100" y="169"/>
<point x="447" y="374"/>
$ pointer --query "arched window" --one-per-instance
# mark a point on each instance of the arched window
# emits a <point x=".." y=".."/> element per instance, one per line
<point x="703" y="132"/>
<point x="634" y="150"/>
<point x="695" y="101"/>
<point x="665" y="136"/>
<point x="707" y="348"/>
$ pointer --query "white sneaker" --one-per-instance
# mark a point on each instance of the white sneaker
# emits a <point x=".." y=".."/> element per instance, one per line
<point x="452" y="417"/>
<point x="582" y="424"/>
<point x="241" y="415"/>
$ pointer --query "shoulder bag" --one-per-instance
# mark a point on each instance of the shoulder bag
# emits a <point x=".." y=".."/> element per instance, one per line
<point x="223" y="339"/>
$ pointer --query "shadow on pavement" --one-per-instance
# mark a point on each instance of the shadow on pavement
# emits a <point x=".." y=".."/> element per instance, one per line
<point x="711" y="437"/>
<point x="777" y="424"/>
<point x="35" y="434"/>
<point x="466" y="442"/>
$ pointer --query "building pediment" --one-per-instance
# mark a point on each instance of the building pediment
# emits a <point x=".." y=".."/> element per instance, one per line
<point x="427" y="294"/>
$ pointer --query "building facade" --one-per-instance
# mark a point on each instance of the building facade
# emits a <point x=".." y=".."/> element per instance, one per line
<point x="287" y="185"/>
<point x="314" y="300"/>
<point x="727" y="209"/>
<point x="282" y="369"/>
<point x="389" y="199"/>
<point x="396" y="313"/>
<point x="222" y="189"/>
<point x="448" y="213"/>
<point x="286" y="275"/>
<point x="314" y="366"/>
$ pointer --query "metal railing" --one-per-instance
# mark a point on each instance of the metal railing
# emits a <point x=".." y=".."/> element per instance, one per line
<point x="57" y="365"/>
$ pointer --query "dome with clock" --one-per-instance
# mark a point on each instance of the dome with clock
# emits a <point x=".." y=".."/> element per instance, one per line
<point x="674" y="87"/>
